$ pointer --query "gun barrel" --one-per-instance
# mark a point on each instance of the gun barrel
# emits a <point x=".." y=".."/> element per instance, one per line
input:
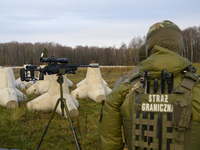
<point x="92" y="66"/>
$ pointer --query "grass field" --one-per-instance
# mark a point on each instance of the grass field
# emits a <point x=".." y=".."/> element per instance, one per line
<point x="22" y="129"/>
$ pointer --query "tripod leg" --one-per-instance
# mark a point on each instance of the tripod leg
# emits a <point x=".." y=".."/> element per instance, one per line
<point x="47" y="126"/>
<point x="62" y="106"/>
<point x="72" y="126"/>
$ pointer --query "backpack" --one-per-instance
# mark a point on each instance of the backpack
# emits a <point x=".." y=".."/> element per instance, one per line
<point x="159" y="114"/>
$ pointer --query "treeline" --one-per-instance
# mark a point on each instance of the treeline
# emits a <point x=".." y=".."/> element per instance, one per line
<point x="191" y="40"/>
<point x="18" y="54"/>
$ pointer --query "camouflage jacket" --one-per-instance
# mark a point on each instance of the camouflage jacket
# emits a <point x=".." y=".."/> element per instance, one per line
<point x="110" y="121"/>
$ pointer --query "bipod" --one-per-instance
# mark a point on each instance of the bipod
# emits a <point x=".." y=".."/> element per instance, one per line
<point x="63" y="106"/>
<point x="160" y="115"/>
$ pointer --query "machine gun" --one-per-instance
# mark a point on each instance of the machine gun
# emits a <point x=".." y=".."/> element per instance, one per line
<point x="60" y="67"/>
<point x="54" y="66"/>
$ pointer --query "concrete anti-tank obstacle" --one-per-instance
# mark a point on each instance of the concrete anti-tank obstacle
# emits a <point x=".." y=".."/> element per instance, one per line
<point x="26" y="84"/>
<point x="47" y="101"/>
<point x="17" y="84"/>
<point x="9" y="94"/>
<point x="93" y="86"/>
<point x="40" y="87"/>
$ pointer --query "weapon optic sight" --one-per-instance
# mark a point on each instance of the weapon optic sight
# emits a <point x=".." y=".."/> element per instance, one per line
<point x="53" y="60"/>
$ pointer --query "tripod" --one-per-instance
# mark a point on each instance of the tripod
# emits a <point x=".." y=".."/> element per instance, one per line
<point x="63" y="106"/>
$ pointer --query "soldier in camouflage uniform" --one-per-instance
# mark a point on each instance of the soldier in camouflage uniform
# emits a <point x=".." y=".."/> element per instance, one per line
<point x="119" y="125"/>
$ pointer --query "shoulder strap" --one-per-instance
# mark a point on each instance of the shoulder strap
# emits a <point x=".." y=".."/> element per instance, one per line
<point x="187" y="84"/>
<point x="134" y="78"/>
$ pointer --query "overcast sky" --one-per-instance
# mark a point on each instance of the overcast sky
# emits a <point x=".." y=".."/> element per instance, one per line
<point x="100" y="23"/>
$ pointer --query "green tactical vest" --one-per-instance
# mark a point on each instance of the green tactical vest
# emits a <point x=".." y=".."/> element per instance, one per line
<point x="141" y="121"/>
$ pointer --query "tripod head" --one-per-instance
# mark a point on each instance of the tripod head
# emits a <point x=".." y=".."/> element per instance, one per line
<point x="54" y="67"/>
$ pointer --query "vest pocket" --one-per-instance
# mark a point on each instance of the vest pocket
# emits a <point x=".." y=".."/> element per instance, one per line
<point x="181" y="115"/>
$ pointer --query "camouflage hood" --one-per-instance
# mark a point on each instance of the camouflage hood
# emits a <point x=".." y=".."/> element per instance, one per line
<point x="165" y="34"/>
<point x="162" y="58"/>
